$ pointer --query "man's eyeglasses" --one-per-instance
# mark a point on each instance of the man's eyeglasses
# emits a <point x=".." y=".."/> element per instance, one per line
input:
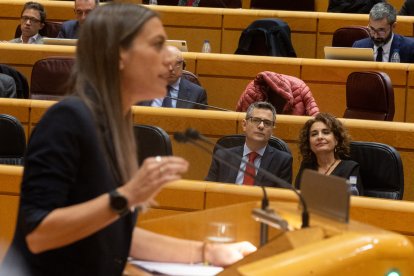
<point x="24" y="19"/>
<point x="178" y="64"/>
<point x="380" y="31"/>
<point x="81" y="12"/>
<point x="257" y="121"/>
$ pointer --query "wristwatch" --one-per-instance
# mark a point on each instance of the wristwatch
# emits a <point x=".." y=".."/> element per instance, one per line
<point x="118" y="203"/>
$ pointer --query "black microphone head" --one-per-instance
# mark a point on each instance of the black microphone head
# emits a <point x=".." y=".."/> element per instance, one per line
<point x="180" y="137"/>
<point x="192" y="133"/>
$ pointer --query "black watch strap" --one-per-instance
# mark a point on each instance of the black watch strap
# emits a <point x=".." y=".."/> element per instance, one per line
<point x="118" y="203"/>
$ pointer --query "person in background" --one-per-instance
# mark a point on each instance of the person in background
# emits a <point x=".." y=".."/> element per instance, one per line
<point x="386" y="43"/>
<point x="323" y="145"/>
<point x="407" y="8"/>
<point x="352" y="6"/>
<point x="82" y="189"/>
<point x="193" y="3"/>
<point x="32" y="20"/>
<point x="258" y="127"/>
<point x="70" y="28"/>
<point x="179" y="87"/>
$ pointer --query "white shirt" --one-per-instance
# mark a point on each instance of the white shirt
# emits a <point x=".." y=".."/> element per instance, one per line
<point x="32" y="40"/>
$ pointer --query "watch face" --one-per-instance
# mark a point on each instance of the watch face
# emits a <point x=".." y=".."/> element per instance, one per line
<point x="118" y="203"/>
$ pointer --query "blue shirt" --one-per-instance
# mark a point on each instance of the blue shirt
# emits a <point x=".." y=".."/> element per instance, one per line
<point x="175" y="87"/>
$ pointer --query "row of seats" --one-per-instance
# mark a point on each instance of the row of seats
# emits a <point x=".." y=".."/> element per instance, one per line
<point x="311" y="31"/>
<point x="213" y="124"/>
<point x="385" y="182"/>
<point x="369" y="95"/>
<point x="50" y="76"/>
<point x="13" y="141"/>
<point x="298" y="5"/>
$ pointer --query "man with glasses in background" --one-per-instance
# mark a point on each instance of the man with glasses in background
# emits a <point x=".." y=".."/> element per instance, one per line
<point x="70" y="28"/>
<point x="387" y="45"/>
<point x="181" y="93"/>
<point x="32" y="20"/>
<point x="258" y="126"/>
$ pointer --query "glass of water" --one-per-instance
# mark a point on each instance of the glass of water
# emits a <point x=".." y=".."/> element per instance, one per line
<point x="221" y="232"/>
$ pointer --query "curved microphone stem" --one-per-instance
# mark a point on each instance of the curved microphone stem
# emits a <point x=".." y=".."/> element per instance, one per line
<point x="199" y="104"/>
<point x="194" y="134"/>
<point x="180" y="137"/>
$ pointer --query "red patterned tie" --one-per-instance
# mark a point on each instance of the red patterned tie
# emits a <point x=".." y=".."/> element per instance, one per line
<point x="248" y="180"/>
<point x="190" y="2"/>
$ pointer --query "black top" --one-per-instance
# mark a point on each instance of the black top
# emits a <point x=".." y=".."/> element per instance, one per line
<point x="352" y="6"/>
<point x="345" y="169"/>
<point x="407" y="8"/>
<point x="65" y="165"/>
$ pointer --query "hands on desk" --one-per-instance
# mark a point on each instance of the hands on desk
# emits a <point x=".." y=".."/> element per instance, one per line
<point x="225" y="254"/>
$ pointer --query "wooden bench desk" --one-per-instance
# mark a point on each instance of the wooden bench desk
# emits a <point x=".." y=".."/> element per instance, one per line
<point x="225" y="76"/>
<point x="311" y="31"/>
<point x="215" y="124"/>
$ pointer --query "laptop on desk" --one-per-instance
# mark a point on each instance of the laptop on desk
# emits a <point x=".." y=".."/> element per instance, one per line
<point x="59" y="41"/>
<point x="349" y="53"/>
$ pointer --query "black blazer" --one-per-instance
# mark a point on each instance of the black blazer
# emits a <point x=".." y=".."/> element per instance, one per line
<point x="407" y="8"/>
<point x="187" y="91"/>
<point x="273" y="160"/>
<point x="352" y="6"/>
<point x="69" y="29"/>
<point x="65" y="164"/>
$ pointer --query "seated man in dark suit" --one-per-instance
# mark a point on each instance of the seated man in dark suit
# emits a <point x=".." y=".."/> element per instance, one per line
<point x="70" y="28"/>
<point x="388" y="46"/>
<point x="258" y="126"/>
<point x="180" y="90"/>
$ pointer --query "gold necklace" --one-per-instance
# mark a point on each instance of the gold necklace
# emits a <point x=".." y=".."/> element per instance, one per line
<point x="326" y="172"/>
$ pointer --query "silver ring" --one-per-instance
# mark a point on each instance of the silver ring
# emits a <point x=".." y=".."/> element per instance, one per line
<point x="158" y="159"/>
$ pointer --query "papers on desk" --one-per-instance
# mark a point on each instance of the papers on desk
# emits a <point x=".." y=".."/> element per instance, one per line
<point x="177" y="269"/>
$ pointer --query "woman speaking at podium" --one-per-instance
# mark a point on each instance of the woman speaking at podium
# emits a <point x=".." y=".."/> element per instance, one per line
<point x="81" y="186"/>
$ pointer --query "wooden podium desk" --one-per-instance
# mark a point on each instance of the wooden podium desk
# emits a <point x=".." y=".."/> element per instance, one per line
<point x="326" y="248"/>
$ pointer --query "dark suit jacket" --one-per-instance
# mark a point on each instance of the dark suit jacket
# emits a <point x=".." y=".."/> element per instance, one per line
<point x="187" y="91"/>
<point x="273" y="160"/>
<point x="407" y="8"/>
<point x="7" y="86"/>
<point x="69" y="29"/>
<point x="405" y="46"/>
<point x="352" y="6"/>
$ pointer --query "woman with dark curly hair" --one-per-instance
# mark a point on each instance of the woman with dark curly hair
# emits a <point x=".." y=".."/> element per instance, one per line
<point x="324" y="146"/>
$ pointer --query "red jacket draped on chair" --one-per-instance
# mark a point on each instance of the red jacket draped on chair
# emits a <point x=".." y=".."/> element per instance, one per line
<point x="298" y="97"/>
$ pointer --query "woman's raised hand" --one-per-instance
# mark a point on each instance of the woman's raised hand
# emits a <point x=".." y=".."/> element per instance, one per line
<point x="151" y="176"/>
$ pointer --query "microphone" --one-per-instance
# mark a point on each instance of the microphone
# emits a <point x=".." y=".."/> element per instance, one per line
<point x="198" y="104"/>
<point x="264" y="211"/>
<point x="191" y="135"/>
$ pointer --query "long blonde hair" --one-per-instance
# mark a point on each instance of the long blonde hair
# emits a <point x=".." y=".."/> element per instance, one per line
<point x="96" y="78"/>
